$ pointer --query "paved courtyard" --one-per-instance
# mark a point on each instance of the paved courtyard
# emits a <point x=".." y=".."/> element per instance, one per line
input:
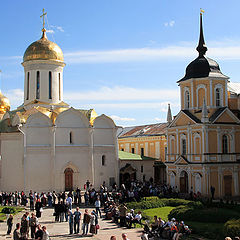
<point x="59" y="230"/>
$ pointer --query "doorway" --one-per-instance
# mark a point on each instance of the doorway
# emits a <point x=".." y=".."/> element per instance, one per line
<point x="68" y="179"/>
<point x="228" y="185"/>
<point x="184" y="182"/>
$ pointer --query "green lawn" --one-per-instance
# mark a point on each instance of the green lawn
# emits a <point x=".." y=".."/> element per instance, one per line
<point x="160" y="212"/>
<point x="3" y="215"/>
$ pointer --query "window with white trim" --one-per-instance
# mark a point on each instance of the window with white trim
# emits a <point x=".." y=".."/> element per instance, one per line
<point x="218" y="97"/>
<point x="184" y="146"/>
<point x="225" y="144"/>
<point x="187" y="99"/>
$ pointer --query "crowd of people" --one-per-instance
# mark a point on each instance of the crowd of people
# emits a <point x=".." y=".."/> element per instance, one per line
<point x="112" y="203"/>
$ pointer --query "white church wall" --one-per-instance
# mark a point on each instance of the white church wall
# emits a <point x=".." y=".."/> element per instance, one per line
<point x="38" y="167"/>
<point x="75" y="123"/>
<point x="12" y="161"/>
<point x="107" y="172"/>
<point x="38" y="125"/>
<point x="76" y="158"/>
<point x="104" y="131"/>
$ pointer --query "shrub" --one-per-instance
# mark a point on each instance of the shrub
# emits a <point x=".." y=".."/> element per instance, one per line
<point x="232" y="228"/>
<point x="193" y="213"/>
<point x="9" y="210"/>
<point x="155" y="202"/>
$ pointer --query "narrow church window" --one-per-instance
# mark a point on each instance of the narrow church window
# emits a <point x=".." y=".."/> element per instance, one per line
<point x="70" y="138"/>
<point x="59" y="83"/>
<point x="184" y="150"/>
<point x="142" y="152"/>
<point x="103" y="160"/>
<point x="218" y="97"/>
<point x="50" y="85"/>
<point x="224" y="144"/>
<point x="187" y="100"/>
<point x="28" y="76"/>
<point x="165" y="157"/>
<point x="38" y="85"/>
<point x="133" y="150"/>
<point x="141" y="168"/>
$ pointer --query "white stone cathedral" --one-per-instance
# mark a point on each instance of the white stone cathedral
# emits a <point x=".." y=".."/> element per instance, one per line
<point x="47" y="145"/>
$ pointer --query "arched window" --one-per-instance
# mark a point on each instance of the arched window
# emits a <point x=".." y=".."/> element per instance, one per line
<point x="184" y="146"/>
<point x="59" y="83"/>
<point x="218" y="97"/>
<point x="187" y="99"/>
<point x="103" y="160"/>
<point x="38" y="85"/>
<point x="28" y="76"/>
<point x="224" y="144"/>
<point x="70" y="138"/>
<point x="172" y="146"/>
<point x="197" y="144"/>
<point x="50" y="85"/>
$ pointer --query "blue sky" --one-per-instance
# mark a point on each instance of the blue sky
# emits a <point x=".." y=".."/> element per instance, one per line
<point x="123" y="57"/>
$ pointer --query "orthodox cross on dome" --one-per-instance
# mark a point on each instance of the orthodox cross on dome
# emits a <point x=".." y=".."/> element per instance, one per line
<point x="201" y="48"/>
<point x="42" y="16"/>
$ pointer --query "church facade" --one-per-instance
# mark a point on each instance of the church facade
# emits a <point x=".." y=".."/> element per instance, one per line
<point x="48" y="145"/>
<point x="203" y="153"/>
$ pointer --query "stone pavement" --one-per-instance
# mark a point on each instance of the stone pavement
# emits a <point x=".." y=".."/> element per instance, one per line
<point x="59" y="230"/>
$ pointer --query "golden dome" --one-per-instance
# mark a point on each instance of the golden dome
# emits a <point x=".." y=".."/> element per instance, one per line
<point x="4" y="104"/>
<point x="43" y="49"/>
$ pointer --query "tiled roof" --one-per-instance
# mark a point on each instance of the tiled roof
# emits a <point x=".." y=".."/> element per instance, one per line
<point x="130" y="156"/>
<point x="146" y="130"/>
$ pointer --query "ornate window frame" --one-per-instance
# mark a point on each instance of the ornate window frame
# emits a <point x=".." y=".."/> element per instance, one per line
<point x="205" y="89"/>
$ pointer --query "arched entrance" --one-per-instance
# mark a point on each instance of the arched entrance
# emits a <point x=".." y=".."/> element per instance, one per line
<point x="127" y="174"/>
<point x="68" y="179"/>
<point x="184" y="182"/>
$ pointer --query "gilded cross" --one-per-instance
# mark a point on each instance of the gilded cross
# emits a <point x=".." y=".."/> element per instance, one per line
<point x="42" y="16"/>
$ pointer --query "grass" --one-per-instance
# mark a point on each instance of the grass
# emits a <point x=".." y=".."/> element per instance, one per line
<point x="160" y="212"/>
<point x="3" y="216"/>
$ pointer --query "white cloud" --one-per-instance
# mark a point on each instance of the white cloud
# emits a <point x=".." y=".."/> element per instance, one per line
<point x="50" y="31"/>
<point x="117" y="118"/>
<point x="169" y="24"/>
<point x="60" y="28"/>
<point x="119" y="93"/>
<point x="129" y="55"/>
<point x="227" y="49"/>
<point x="57" y="28"/>
<point x="15" y="97"/>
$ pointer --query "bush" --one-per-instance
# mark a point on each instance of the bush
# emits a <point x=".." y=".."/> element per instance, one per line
<point x="232" y="228"/>
<point x="155" y="202"/>
<point x="9" y="210"/>
<point x="193" y="213"/>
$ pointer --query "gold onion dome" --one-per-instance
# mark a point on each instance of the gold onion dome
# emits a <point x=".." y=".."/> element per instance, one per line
<point x="4" y="104"/>
<point x="43" y="49"/>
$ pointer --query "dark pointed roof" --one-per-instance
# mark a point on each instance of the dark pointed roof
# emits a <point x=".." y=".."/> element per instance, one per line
<point x="202" y="66"/>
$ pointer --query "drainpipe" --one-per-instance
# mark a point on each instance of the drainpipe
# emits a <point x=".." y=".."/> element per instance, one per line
<point x="19" y="126"/>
